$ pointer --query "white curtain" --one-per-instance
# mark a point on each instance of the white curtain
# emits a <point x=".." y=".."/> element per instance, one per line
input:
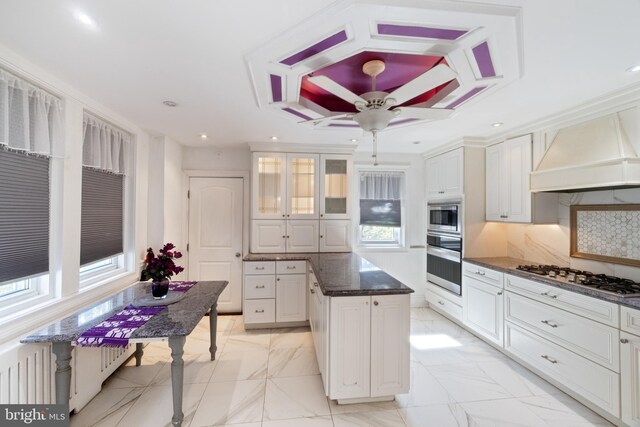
<point x="381" y="185"/>
<point x="106" y="147"/>
<point x="30" y="117"/>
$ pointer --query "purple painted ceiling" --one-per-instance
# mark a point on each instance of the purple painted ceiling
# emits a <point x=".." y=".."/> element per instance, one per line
<point x="400" y="69"/>
<point x="321" y="46"/>
<point x="422" y="32"/>
<point x="296" y="113"/>
<point x="466" y="96"/>
<point x="483" y="59"/>
<point x="276" y="88"/>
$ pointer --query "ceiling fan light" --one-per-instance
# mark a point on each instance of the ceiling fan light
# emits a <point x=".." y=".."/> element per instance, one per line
<point x="374" y="120"/>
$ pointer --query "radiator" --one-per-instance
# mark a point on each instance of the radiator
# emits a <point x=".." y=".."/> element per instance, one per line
<point x="27" y="373"/>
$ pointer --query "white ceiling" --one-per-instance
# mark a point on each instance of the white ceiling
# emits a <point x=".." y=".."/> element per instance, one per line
<point x="192" y="52"/>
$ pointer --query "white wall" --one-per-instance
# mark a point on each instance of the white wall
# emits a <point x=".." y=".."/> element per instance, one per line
<point x="408" y="265"/>
<point x="221" y="159"/>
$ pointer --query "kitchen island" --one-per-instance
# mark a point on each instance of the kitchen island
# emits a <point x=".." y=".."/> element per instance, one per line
<point x="359" y="318"/>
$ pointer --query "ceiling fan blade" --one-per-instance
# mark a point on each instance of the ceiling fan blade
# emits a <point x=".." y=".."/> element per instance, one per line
<point x="338" y="90"/>
<point x="424" y="113"/>
<point x="324" y="119"/>
<point x="433" y="78"/>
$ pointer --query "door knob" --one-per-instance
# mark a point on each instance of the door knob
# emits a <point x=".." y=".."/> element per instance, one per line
<point x="238" y="254"/>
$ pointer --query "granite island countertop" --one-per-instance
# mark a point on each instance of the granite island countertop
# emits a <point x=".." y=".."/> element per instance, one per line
<point x="508" y="265"/>
<point x="343" y="274"/>
<point x="178" y="319"/>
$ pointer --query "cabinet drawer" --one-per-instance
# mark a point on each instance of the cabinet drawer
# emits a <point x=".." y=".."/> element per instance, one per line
<point x="291" y="267"/>
<point x="443" y="304"/>
<point x="259" y="287"/>
<point x="589" y="339"/>
<point x="630" y="320"/>
<point x="597" y="384"/>
<point x="259" y="311"/>
<point x="591" y="308"/>
<point x="259" y="267"/>
<point x="486" y="275"/>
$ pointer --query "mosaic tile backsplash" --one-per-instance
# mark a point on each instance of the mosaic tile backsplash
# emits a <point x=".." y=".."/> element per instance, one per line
<point x="609" y="233"/>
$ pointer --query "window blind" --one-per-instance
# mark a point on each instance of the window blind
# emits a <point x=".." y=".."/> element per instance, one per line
<point x="24" y="215"/>
<point x="380" y="198"/>
<point x="101" y="233"/>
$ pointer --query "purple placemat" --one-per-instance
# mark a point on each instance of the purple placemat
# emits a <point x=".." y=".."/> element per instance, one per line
<point x="116" y="330"/>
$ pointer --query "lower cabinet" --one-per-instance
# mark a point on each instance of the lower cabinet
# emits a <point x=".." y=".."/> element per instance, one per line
<point x="335" y="235"/>
<point x="274" y="293"/>
<point x="630" y="378"/>
<point x="368" y="347"/>
<point x="483" y="309"/>
<point x="444" y="302"/>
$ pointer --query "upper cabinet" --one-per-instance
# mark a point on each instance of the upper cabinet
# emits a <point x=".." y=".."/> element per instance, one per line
<point x="508" y="198"/>
<point x="285" y="186"/>
<point x="335" y="172"/>
<point x="445" y="175"/>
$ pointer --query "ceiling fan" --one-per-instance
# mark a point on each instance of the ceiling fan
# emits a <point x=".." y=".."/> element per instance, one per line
<point x="377" y="108"/>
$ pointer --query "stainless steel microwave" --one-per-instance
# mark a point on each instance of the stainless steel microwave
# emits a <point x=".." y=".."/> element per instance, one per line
<point x="445" y="217"/>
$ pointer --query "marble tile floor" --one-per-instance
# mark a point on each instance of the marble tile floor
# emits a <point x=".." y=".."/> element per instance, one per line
<point x="270" y="378"/>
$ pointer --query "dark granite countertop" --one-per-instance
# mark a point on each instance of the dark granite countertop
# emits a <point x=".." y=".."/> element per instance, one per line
<point x="508" y="265"/>
<point x="178" y="319"/>
<point x="343" y="274"/>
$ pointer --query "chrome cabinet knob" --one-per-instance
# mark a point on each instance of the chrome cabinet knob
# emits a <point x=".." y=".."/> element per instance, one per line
<point x="238" y="254"/>
<point x="624" y="340"/>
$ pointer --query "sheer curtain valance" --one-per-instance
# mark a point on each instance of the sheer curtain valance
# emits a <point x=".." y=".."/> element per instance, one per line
<point x="381" y="185"/>
<point x="30" y="117"/>
<point x="106" y="147"/>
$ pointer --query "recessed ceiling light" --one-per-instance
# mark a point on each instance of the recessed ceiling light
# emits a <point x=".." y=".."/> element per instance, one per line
<point x="417" y="142"/>
<point x="353" y="140"/>
<point x="86" y="20"/>
<point x="634" y="69"/>
<point x="274" y="138"/>
<point x="203" y="135"/>
<point x="497" y="124"/>
<point x="170" y="103"/>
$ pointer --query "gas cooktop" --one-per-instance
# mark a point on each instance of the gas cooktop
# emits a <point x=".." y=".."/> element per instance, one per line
<point x="601" y="282"/>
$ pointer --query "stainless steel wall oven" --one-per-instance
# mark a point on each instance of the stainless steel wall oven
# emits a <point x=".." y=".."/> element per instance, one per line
<point x="444" y="246"/>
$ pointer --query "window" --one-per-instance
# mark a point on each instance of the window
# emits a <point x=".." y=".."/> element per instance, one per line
<point x="104" y="173"/>
<point x="381" y="208"/>
<point x="30" y="133"/>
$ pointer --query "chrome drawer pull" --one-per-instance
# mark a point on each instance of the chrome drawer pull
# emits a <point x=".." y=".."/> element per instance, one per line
<point x="259" y="268"/>
<point x="546" y="294"/>
<point x="544" y="356"/>
<point x="499" y="292"/>
<point x="624" y="340"/>
<point x="440" y="302"/>
<point x="548" y="322"/>
<point x="313" y="291"/>
<point x="259" y="286"/>
<point x="290" y="267"/>
<point x="259" y="311"/>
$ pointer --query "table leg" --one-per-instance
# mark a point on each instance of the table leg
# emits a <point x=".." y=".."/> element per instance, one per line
<point x="177" y="376"/>
<point x="62" y="350"/>
<point x="139" y="352"/>
<point x="213" y="325"/>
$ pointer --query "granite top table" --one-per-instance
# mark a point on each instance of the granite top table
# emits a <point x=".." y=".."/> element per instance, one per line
<point x="175" y="322"/>
<point x="508" y="265"/>
<point x="343" y="274"/>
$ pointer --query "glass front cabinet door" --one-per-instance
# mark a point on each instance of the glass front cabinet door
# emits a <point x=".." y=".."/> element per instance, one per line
<point x="335" y="172"/>
<point x="302" y="186"/>
<point x="269" y="183"/>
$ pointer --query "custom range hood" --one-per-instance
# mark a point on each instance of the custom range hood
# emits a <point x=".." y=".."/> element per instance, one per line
<point x="593" y="155"/>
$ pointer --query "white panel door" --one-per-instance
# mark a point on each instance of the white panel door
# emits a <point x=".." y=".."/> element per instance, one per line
<point x="434" y="186"/>
<point x="389" y="345"/>
<point x="349" y="347"/>
<point x="335" y="235"/>
<point x="630" y="378"/>
<point x="268" y="236"/>
<point x="451" y="170"/>
<point x="483" y="309"/>
<point x="303" y="183"/>
<point x="215" y="236"/>
<point x="494" y="209"/>
<point x="518" y="157"/>
<point x="302" y="235"/>
<point x="291" y="297"/>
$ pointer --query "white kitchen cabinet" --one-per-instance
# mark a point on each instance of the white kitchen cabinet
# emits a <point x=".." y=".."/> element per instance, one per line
<point x="483" y="308"/>
<point x="445" y="175"/>
<point x="444" y="302"/>
<point x="508" y="198"/>
<point x="630" y="378"/>
<point x="368" y="347"/>
<point x="319" y="322"/>
<point x="335" y="178"/>
<point x="285" y="186"/>
<point x="335" y="235"/>
<point x="275" y="294"/>
<point x="291" y="297"/>
<point x="280" y="236"/>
